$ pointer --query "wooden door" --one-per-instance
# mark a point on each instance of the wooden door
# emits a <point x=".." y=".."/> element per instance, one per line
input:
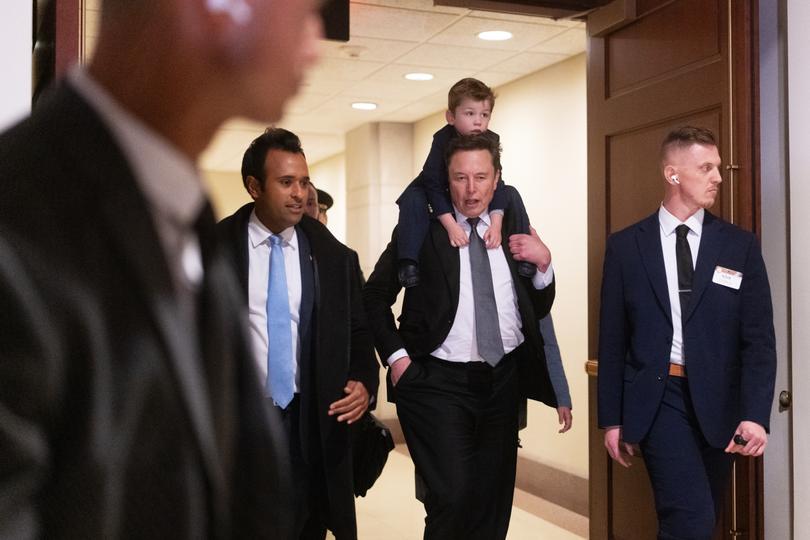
<point x="654" y="65"/>
<point x="57" y="41"/>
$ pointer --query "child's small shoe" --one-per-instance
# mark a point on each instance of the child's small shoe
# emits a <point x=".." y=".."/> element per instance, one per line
<point x="408" y="274"/>
<point x="526" y="269"/>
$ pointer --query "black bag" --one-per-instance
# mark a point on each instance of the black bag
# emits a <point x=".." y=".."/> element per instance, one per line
<point x="371" y="442"/>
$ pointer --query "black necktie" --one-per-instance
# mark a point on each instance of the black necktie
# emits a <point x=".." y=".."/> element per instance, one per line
<point x="683" y="256"/>
<point x="487" y="326"/>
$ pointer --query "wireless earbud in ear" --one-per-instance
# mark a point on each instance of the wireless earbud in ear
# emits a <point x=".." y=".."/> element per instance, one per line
<point x="238" y="10"/>
<point x="674" y="179"/>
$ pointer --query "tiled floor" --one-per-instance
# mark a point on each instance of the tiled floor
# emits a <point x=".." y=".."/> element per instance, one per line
<point x="390" y="511"/>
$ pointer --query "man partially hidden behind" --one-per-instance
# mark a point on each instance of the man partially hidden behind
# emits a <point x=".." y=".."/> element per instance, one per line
<point x="466" y="352"/>
<point x="129" y="406"/>
<point x="311" y="343"/>
<point x="686" y="348"/>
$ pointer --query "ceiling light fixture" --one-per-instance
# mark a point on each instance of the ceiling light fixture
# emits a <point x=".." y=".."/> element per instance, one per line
<point x="419" y="76"/>
<point x="364" y="105"/>
<point x="495" y="35"/>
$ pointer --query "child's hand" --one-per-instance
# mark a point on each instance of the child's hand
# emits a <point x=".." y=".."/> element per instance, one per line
<point x="458" y="237"/>
<point x="492" y="238"/>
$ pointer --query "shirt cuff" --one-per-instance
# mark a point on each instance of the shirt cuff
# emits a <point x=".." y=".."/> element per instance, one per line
<point x="541" y="280"/>
<point x="496" y="211"/>
<point x="401" y="353"/>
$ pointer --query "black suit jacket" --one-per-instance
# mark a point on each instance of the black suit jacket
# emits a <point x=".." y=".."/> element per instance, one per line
<point x="115" y="420"/>
<point x="727" y="333"/>
<point x="336" y="347"/>
<point x="429" y="309"/>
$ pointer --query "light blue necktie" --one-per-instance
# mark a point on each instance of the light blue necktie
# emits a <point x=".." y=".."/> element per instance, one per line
<point x="280" y="374"/>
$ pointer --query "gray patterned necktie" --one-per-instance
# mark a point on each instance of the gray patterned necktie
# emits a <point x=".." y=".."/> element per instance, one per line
<point x="487" y="326"/>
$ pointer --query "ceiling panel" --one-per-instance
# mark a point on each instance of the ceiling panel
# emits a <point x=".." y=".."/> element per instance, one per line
<point x="342" y="69"/>
<point x="388" y="39"/>
<point x="569" y="42"/>
<point x="375" y="90"/>
<point x="405" y="24"/>
<point x="531" y="19"/>
<point x="451" y="56"/>
<point x="527" y="62"/>
<point x="465" y="33"/>
<point x="443" y="77"/>
<point x="419" y="109"/>
<point x="423" y="5"/>
<point x="495" y="78"/>
<point x="305" y="102"/>
<point x="367" y="49"/>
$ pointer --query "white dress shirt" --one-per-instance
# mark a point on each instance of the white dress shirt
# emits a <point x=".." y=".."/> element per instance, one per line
<point x="259" y="249"/>
<point x="167" y="178"/>
<point x="460" y="345"/>
<point x="668" y="225"/>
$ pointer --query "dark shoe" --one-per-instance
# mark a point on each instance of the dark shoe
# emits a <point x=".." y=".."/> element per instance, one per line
<point x="526" y="269"/>
<point x="408" y="274"/>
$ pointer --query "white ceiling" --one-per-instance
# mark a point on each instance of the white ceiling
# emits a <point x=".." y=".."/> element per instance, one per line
<point x="389" y="38"/>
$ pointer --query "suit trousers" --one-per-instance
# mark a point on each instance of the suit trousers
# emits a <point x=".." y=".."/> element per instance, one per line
<point x="688" y="476"/>
<point x="460" y="421"/>
<point x="307" y="479"/>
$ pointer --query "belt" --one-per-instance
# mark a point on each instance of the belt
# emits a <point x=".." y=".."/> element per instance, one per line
<point x="677" y="370"/>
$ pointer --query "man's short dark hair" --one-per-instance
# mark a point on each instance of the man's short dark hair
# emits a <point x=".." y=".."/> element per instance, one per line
<point x="466" y="143"/>
<point x="271" y="139"/>
<point x="684" y="137"/>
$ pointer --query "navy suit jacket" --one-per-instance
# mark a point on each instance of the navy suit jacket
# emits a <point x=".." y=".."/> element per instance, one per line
<point x="727" y="333"/>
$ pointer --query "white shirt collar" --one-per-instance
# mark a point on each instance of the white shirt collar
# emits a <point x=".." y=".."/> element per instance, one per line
<point x="669" y="222"/>
<point x="259" y="234"/>
<point x="461" y="219"/>
<point x="168" y="179"/>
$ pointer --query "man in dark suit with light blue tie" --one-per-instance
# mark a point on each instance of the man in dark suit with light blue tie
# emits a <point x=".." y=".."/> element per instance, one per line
<point x="686" y="346"/>
<point x="311" y="343"/>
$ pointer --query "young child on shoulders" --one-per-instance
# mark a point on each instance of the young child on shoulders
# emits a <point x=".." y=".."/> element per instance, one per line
<point x="469" y="108"/>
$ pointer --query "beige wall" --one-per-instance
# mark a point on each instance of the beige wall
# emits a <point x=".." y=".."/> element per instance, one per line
<point x="225" y="191"/>
<point x="378" y="166"/>
<point x="330" y="175"/>
<point x="542" y="124"/>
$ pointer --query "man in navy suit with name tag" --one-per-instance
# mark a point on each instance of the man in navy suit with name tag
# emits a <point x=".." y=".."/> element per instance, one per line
<point x="686" y="349"/>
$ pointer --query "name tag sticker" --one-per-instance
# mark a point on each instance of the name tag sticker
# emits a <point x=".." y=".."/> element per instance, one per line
<point x="727" y="277"/>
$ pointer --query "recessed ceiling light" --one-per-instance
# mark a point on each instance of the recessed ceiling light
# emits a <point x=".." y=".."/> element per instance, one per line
<point x="364" y="105"/>
<point x="495" y="35"/>
<point x="419" y="76"/>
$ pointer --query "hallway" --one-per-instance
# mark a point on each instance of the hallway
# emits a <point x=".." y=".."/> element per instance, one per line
<point x="390" y="511"/>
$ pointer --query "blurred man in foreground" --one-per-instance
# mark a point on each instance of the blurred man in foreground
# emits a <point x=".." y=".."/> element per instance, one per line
<point x="129" y="405"/>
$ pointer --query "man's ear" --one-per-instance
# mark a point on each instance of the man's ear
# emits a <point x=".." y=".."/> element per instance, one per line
<point x="223" y="27"/>
<point x="239" y="11"/>
<point x="670" y="172"/>
<point x="254" y="187"/>
<point x="450" y="117"/>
